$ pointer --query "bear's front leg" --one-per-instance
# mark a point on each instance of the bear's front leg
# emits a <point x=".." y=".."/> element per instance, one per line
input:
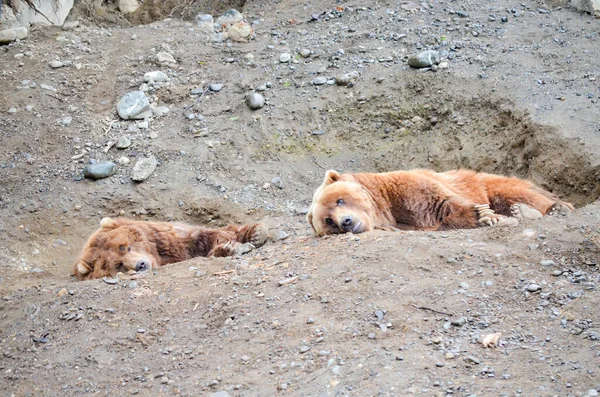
<point x="256" y="234"/>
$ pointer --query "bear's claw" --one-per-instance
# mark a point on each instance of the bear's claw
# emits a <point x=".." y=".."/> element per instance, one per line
<point x="486" y="216"/>
<point x="259" y="236"/>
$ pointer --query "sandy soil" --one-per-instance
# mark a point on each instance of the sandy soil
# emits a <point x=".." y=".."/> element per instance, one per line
<point x="379" y="313"/>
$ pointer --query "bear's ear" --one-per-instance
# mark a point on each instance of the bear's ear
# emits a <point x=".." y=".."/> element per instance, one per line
<point x="108" y="223"/>
<point x="331" y="176"/>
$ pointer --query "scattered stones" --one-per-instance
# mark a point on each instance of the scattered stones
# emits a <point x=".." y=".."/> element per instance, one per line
<point x="347" y="79"/>
<point x="255" y="101"/>
<point x="134" y="105"/>
<point x="143" y="168"/>
<point x="215" y="87"/>
<point x="123" y="143"/>
<point x="100" y="170"/>
<point x="285" y="57"/>
<point x="156" y="76"/>
<point x="424" y="59"/>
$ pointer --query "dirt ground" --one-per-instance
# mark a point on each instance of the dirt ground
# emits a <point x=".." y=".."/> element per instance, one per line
<point x="380" y="313"/>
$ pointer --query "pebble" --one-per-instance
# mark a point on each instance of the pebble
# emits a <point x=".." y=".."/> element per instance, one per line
<point x="134" y="285"/>
<point x="143" y="168"/>
<point x="372" y="335"/>
<point x="12" y="110"/>
<point x="424" y="59"/>
<point x="230" y="17"/>
<point x="304" y="349"/>
<point x="282" y="386"/>
<point x="592" y="393"/>
<point x="310" y="320"/>
<point x="347" y="79"/>
<point x="66" y="121"/>
<point x="215" y="87"/>
<point x="304" y="52"/>
<point x="547" y="262"/>
<point x="156" y="76"/>
<point x="221" y="393"/>
<point x="123" y="143"/>
<point x="459" y="322"/>
<point x="533" y="287"/>
<point x="134" y="105"/>
<point x="255" y="101"/>
<point x="320" y="80"/>
<point x="164" y="58"/>
<point x="277" y="182"/>
<point x="56" y="64"/>
<point x="285" y="57"/>
<point x="472" y="360"/>
<point x="160" y="111"/>
<point x="205" y="23"/>
<point x="47" y="87"/>
<point x="100" y="170"/>
<point x="124" y="160"/>
<point x="557" y="272"/>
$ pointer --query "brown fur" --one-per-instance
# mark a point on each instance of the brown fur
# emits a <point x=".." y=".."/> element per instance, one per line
<point x="418" y="200"/>
<point x="122" y="244"/>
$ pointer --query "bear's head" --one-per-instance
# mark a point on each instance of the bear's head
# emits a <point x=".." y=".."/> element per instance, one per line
<point x="119" y="245"/>
<point x="341" y="205"/>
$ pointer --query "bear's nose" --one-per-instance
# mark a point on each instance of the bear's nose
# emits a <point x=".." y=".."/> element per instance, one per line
<point x="346" y="223"/>
<point x="142" y="264"/>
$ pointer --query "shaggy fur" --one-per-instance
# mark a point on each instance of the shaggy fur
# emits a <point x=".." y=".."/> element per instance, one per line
<point x="122" y="244"/>
<point x="423" y="200"/>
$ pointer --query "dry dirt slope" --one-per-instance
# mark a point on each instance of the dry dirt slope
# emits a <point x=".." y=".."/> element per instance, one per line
<point x="519" y="98"/>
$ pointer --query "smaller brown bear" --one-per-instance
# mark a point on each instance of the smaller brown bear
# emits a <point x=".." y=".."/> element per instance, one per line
<point x="425" y="200"/>
<point x="121" y="245"/>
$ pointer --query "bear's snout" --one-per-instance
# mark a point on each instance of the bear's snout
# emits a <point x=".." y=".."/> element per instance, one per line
<point x="347" y="223"/>
<point x="142" y="264"/>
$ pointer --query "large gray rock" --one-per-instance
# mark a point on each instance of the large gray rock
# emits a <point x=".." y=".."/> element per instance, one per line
<point x="21" y="32"/>
<point x="424" y="59"/>
<point x="7" y="36"/>
<point x="591" y="6"/>
<point x="42" y="12"/>
<point x="134" y="105"/>
<point x="230" y="17"/>
<point x="205" y="23"/>
<point x="143" y="168"/>
<point x="255" y="101"/>
<point x="128" y="6"/>
<point x="100" y="170"/>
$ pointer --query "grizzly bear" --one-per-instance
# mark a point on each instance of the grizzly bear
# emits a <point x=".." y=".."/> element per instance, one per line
<point x="122" y="245"/>
<point x="421" y="199"/>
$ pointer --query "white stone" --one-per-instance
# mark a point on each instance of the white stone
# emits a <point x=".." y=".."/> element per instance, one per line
<point x="56" y="64"/>
<point x="230" y="17"/>
<point x="285" y="57"/>
<point x="164" y="58"/>
<point x="156" y="76"/>
<point x="205" y="23"/>
<point x="134" y="105"/>
<point x="7" y="36"/>
<point x="143" y="168"/>
<point x="128" y="6"/>
<point x="46" y="12"/>
<point x="591" y="6"/>
<point x="21" y="32"/>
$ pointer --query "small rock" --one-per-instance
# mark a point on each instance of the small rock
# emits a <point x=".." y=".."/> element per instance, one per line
<point x="124" y="160"/>
<point x="21" y="32"/>
<point x="347" y="79"/>
<point x="7" y="36"/>
<point x="285" y="57"/>
<point x="277" y="182"/>
<point x="282" y="386"/>
<point x="592" y="393"/>
<point x="320" y="80"/>
<point x="100" y="170"/>
<point x="304" y="52"/>
<point x="304" y="349"/>
<point x="533" y="287"/>
<point x="215" y="87"/>
<point x="12" y="110"/>
<point x="62" y="292"/>
<point x="123" y="143"/>
<point x="205" y="23"/>
<point x="134" y="105"/>
<point x="128" y="6"/>
<point x="47" y="87"/>
<point x="547" y="263"/>
<point x="371" y="335"/>
<point x="66" y="121"/>
<point x="160" y="111"/>
<point x="424" y="59"/>
<point x="221" y="393"/>
<point x="164" y="58"/>
<point x="310" y="320"/>
<point x="459" y="322"/>
<point x="255" y="101"/>
<point x="230" y="17"/>
<point x="472" y="360"/>
<point x="143" y="168"/>
<point x="156" y="76"/>
<point x="557" y="272"/>
<point x="56" y="64"/>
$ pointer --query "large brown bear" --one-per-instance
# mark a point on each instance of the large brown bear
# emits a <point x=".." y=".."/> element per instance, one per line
<point x="122" y="244"/>
<point x="424" y="200"/>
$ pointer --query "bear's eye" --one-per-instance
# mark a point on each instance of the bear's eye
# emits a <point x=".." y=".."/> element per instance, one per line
<point x="124" y="248"/>
<point x="120" y="266"/>
<point x="340" y="202"/>
<point x="329" y="221"/>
